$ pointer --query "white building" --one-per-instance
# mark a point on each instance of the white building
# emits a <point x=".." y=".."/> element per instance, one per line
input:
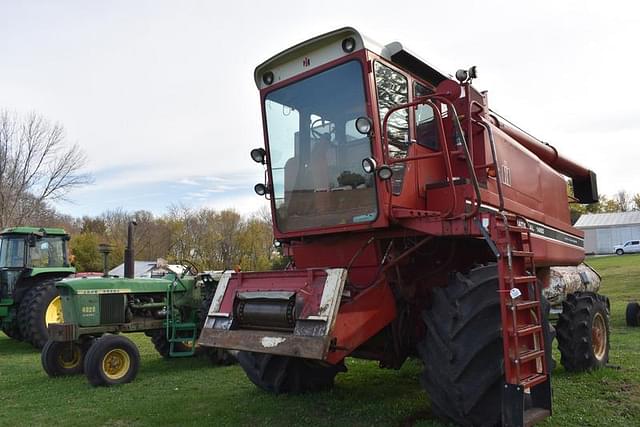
<point x="603" y="231"/>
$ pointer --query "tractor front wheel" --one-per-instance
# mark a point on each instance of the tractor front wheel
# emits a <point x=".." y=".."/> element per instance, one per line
<point x="111" y="360"/>
<point x="462" y="350"/>
<point x="288" y="375"/>
<point x="62" y="358"/>
<point x="40" y="307"/>
<point x="583" y="332"/>
<point x="633" y="314"/>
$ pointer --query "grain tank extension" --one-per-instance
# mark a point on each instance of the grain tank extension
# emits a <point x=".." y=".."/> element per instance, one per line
<point x="418" y="222"/>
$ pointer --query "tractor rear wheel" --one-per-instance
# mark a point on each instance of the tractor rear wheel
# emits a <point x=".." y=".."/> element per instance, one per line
<point x="40" y="307"/>
<point x="462" y="350"/>
<point x="162" y="344"/>
<point x="12" y="329"/>
<point x="217" y="356"/>
<point x="288" y="375"/>
<point x="62" y="358"/>
<point x="583" y="332"/>
<point x="111" y="360"/>
<point x="633" y="314"/>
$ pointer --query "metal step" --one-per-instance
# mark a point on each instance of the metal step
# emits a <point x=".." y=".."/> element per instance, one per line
<point x="533" y="380"/>
<point x="529" y="355"/>
<point x="519" y="280"/>
<point x="524" y="305"/>
<point x="522" y="253"/>
<point x="527" y="330"/>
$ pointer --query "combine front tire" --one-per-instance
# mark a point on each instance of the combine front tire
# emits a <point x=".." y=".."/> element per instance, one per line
<point x="62" y="358"/>
<point x="633" y="314"/>
<point x="288" y="375"/>
<point x="583" y="332"/>
<point x="462" y="350"/>
<point x="41" y="305"/>
<point x="111" y="360"/>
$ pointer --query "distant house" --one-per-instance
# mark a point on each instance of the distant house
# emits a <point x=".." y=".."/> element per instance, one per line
<point x="148" y="269"/>
<point x="603" y="231"/>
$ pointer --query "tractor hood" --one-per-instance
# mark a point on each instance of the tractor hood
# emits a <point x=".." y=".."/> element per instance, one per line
<point x="114" y="285"/>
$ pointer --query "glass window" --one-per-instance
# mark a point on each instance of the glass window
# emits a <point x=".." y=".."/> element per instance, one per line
<point x="426" y="127"/>
<point x="47" y="252"/>
<point x="392" y="89"/>
<point x="315" y="152"/>
<point x="12" y="252"/>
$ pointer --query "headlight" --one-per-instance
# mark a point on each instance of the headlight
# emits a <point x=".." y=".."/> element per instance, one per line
<point x="258" y="155"/>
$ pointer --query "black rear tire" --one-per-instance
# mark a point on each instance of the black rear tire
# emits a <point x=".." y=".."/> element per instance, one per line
<point x="32" y="313"/>
<point x="62" y="358"/>
<point x="111" y="360"/>
<point x="633" y="314"/>
<point x="288" y="375"/>
<point x="162" y="344"/>
<point x="462" y="350"/>
<point x="583" y="332"/>
<point x="12" y="329"/>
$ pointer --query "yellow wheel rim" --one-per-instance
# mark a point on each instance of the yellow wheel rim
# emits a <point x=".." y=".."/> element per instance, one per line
<point x="116" y="363"/>
<point x="54" y="311"/>
<point x="70" y="358"/>
<point x="599" y="336"/>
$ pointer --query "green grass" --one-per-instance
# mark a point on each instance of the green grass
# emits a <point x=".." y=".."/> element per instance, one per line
<point x="184" y="392"/>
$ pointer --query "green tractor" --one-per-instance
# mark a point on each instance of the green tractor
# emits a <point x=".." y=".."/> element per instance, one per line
<point x="96" y="310"/>
<point x="32" y="260"/>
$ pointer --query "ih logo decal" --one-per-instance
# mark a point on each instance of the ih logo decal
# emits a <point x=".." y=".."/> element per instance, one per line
<point x="306" y="61"/>
<point x="506" y="174"/>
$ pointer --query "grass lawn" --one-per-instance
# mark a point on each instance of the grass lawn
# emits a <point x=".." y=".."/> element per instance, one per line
<point x="183" y="392"/>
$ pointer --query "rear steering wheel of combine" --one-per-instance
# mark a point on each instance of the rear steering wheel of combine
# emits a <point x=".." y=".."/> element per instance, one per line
<point x="62" y="358"/>
<point x="633" y="314"/>
<point x="583" y="332"/>
<point x="111" y="360"/>
<point x="40" y="307"/>
<point x="288" y="375"/>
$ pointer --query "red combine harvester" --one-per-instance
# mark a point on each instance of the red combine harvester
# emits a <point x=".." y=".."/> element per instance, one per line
<point x="418" y="222"/>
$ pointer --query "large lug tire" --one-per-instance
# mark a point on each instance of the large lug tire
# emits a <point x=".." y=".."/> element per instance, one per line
<point x="633" y="314"/>
<point x="162" y="344"/>
<point x="62" y="358"/>
<point x="583" y="332"/>
<point x="40" y="307"/>
<point x="111" y="360"/>
<point x="462" y="350"/>
<point x="12" y="329"/>
<point x="288" y="375"/>
<point x="216" y="356"/>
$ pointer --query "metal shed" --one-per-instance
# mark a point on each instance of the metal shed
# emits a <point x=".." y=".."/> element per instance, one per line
<point x="604" y="230"/>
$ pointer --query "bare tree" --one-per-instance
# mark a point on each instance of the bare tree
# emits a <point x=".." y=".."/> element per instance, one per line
<point x="36" y="166"/>
<point x="623" y="200"/>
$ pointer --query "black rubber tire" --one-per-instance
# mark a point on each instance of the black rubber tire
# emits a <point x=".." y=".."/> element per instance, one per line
<point x="162" y="344"/>
<point x="55" y="354"/>
<point x="288" y="375"/>
<point x="31" y="315"/>
<point x="12" y="329"/>
<point x="633" y="314"/>
<point x="462" y="350"/>
<point x="216" y="356"/>
<point x="574" y="331"/>
<point x="101" y="347"/>
<point x="619" y="252"/>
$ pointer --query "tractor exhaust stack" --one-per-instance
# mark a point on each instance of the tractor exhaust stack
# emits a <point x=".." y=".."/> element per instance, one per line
<point x="128" y="252"/>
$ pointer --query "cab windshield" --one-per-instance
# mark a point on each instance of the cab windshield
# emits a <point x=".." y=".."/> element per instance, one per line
<point x="12" y="252"/>
<point x="48" y="252"/>
<point x="316" y="153"/>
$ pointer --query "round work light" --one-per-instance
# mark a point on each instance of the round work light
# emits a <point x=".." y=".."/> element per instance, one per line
<point x="363" y="125"/>
<point x="369" y="165"/>
<point x="385" y="172"/>
<point x="267" y="78"/>
<point x="348" y="44"/>
<point x="258" y="155"/>
<point x="260" y="189"/>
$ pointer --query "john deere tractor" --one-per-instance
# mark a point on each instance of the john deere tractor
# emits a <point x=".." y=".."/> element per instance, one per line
<point x="170" y="310"/>
<point x="32" y="260"/>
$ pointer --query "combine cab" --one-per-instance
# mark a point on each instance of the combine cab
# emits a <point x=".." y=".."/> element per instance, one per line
<point x="418" y="222"/>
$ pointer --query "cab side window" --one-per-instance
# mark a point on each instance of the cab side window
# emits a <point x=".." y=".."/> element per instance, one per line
<point x="426" y="127"/>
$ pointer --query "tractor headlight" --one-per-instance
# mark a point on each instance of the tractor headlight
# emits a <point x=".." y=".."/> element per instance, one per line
<point x="369" y="165"/>
<point x="348" y="44"/>
<point x="261" y="189"/>
<point x="267" y="78"/>
<point x="385" y="172"/>
<point x="363" y="125"/>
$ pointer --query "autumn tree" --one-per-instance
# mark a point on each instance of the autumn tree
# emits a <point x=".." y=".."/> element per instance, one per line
<point x="37" y="166"/>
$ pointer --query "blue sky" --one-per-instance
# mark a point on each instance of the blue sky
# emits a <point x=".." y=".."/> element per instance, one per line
<point x="160" y="94"/>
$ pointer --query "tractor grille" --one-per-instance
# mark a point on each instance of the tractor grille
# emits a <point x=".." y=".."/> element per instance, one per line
<point x="112" y="308"/>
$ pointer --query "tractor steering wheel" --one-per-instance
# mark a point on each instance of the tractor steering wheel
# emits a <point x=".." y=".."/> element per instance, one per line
<point x="322" y="122"/>
<point x="189" y="267"/>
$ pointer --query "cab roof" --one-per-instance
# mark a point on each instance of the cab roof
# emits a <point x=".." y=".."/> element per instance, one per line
<point x="34" y="230"/>
<point x="324" y="46"/>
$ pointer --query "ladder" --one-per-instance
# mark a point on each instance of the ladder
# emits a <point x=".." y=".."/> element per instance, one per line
<point x="176" y="330"/>
<point x="522" y="322"/>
